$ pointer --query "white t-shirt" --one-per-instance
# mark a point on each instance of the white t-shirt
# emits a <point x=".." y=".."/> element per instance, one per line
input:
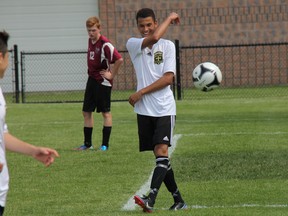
<point x="4" y="175"/>
<point x="150" y="65"/>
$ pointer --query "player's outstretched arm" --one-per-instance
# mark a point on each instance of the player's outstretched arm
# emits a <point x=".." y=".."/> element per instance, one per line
<point x="42" y="154"/>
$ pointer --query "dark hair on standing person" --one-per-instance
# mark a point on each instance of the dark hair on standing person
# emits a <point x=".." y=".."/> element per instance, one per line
<point x="4" y="36"/>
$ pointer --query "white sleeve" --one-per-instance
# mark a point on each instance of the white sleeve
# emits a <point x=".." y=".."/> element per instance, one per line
<point x="170" y="58"/>
<point x="133" y="46"/>
<point x="5" y="128"/>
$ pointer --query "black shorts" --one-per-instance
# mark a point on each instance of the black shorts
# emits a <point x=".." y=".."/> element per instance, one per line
<point x="154" y="130"/>
<point x="96" y="96"/>
<point x="1" y="210"/>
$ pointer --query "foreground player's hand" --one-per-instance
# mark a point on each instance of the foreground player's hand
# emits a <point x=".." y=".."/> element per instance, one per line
<point x="45" y="155"/>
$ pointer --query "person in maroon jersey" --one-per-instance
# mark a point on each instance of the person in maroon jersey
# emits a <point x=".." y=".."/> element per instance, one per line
<point x="100" y="56"/>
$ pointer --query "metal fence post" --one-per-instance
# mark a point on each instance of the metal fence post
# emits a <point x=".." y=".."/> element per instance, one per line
<point x="178" y="73"/>
<point x="22" y="76"/>
<point x="16" y="66"/>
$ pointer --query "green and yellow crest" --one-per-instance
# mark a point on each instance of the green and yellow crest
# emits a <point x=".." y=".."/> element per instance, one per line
<point x="158" y="57"/>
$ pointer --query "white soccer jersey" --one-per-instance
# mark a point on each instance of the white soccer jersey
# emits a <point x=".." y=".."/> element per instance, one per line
<point x="150" y="65"/>
<point x="4" y="176"/>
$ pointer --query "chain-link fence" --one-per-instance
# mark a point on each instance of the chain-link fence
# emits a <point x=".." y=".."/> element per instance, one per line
<point x="61" y="77"/>
<point x="243" y="67"/>
<point x="49" y="77"/>
<point x="53" y="76"/>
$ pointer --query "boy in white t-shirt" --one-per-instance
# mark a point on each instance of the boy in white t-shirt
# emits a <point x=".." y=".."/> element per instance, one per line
<point x="155" y="66"/>
<point x="8" y="141"/>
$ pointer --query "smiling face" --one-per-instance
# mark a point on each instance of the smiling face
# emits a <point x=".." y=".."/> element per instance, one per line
<point x="146" y="26"/>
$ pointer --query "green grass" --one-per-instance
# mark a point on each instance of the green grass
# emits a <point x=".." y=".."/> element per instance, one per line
<point x="123" y="95"/>
<point x="62" y="96"/>
<point x="232" y="159"/>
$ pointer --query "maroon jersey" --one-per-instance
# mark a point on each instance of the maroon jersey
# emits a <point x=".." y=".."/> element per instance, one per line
<point x="99" y="57"/>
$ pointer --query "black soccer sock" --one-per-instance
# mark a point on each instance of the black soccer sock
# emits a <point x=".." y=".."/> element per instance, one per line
<point x="106" y="131"/>
<point x="88" y="136"/>
<point x="1" y="210"/>
<point x="158" y="176"/>
<point x="171" y="185"/>
<point x="177" y="196"/>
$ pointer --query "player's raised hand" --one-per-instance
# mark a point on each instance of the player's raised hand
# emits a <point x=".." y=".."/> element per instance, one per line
<point x="175" y="19"/>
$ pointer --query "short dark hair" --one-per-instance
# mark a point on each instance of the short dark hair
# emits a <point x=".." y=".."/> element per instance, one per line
<point x="4" y="36"/>
<point x="145" y="12"/>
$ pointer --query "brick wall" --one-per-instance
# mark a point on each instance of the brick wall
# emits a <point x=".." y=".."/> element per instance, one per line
<point x="211" y="22"/>
<point x="203" y="22"/>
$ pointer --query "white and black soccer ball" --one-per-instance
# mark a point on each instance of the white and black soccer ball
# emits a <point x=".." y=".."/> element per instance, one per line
<point x="206" y="76"/>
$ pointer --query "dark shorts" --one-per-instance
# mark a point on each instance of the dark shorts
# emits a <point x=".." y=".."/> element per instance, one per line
<point x="154" y="130"/>
<point x="97" y="97"/>
<point x="1" y="210"/>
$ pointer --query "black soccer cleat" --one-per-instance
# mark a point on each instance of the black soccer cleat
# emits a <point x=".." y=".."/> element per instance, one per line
<point x="178" y="206"/>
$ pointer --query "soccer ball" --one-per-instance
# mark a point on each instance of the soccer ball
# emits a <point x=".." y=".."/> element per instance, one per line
<point x="206" y="76"/>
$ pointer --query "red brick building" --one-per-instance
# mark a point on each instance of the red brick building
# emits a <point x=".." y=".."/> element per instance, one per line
<point x="217" y="23"/>
<point x="203" y="22"/>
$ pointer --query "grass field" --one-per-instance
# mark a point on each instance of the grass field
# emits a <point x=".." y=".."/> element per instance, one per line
<point x="231" y="158"/>
<point x="123" y="95"/>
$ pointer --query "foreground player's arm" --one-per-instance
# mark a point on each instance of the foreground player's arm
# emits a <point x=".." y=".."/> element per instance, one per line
<point x="165" y="80"/>
<point x="173" y="18"/>
<point x="42" y="154"/>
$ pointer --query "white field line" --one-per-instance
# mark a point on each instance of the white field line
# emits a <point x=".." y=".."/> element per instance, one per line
<point x="130" y="205"/>
<point x="236" y="133"/>
<point x="237" y="206"/>
<point x="241" y="206"/>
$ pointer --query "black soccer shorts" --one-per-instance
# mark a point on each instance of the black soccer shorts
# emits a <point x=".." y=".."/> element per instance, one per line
<point x="154" y="130"/>
<point x="97" y="97"/>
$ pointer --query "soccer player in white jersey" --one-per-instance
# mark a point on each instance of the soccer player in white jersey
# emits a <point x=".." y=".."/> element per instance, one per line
<point x="155" y="65"/>
<point x="8" y="141"/>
